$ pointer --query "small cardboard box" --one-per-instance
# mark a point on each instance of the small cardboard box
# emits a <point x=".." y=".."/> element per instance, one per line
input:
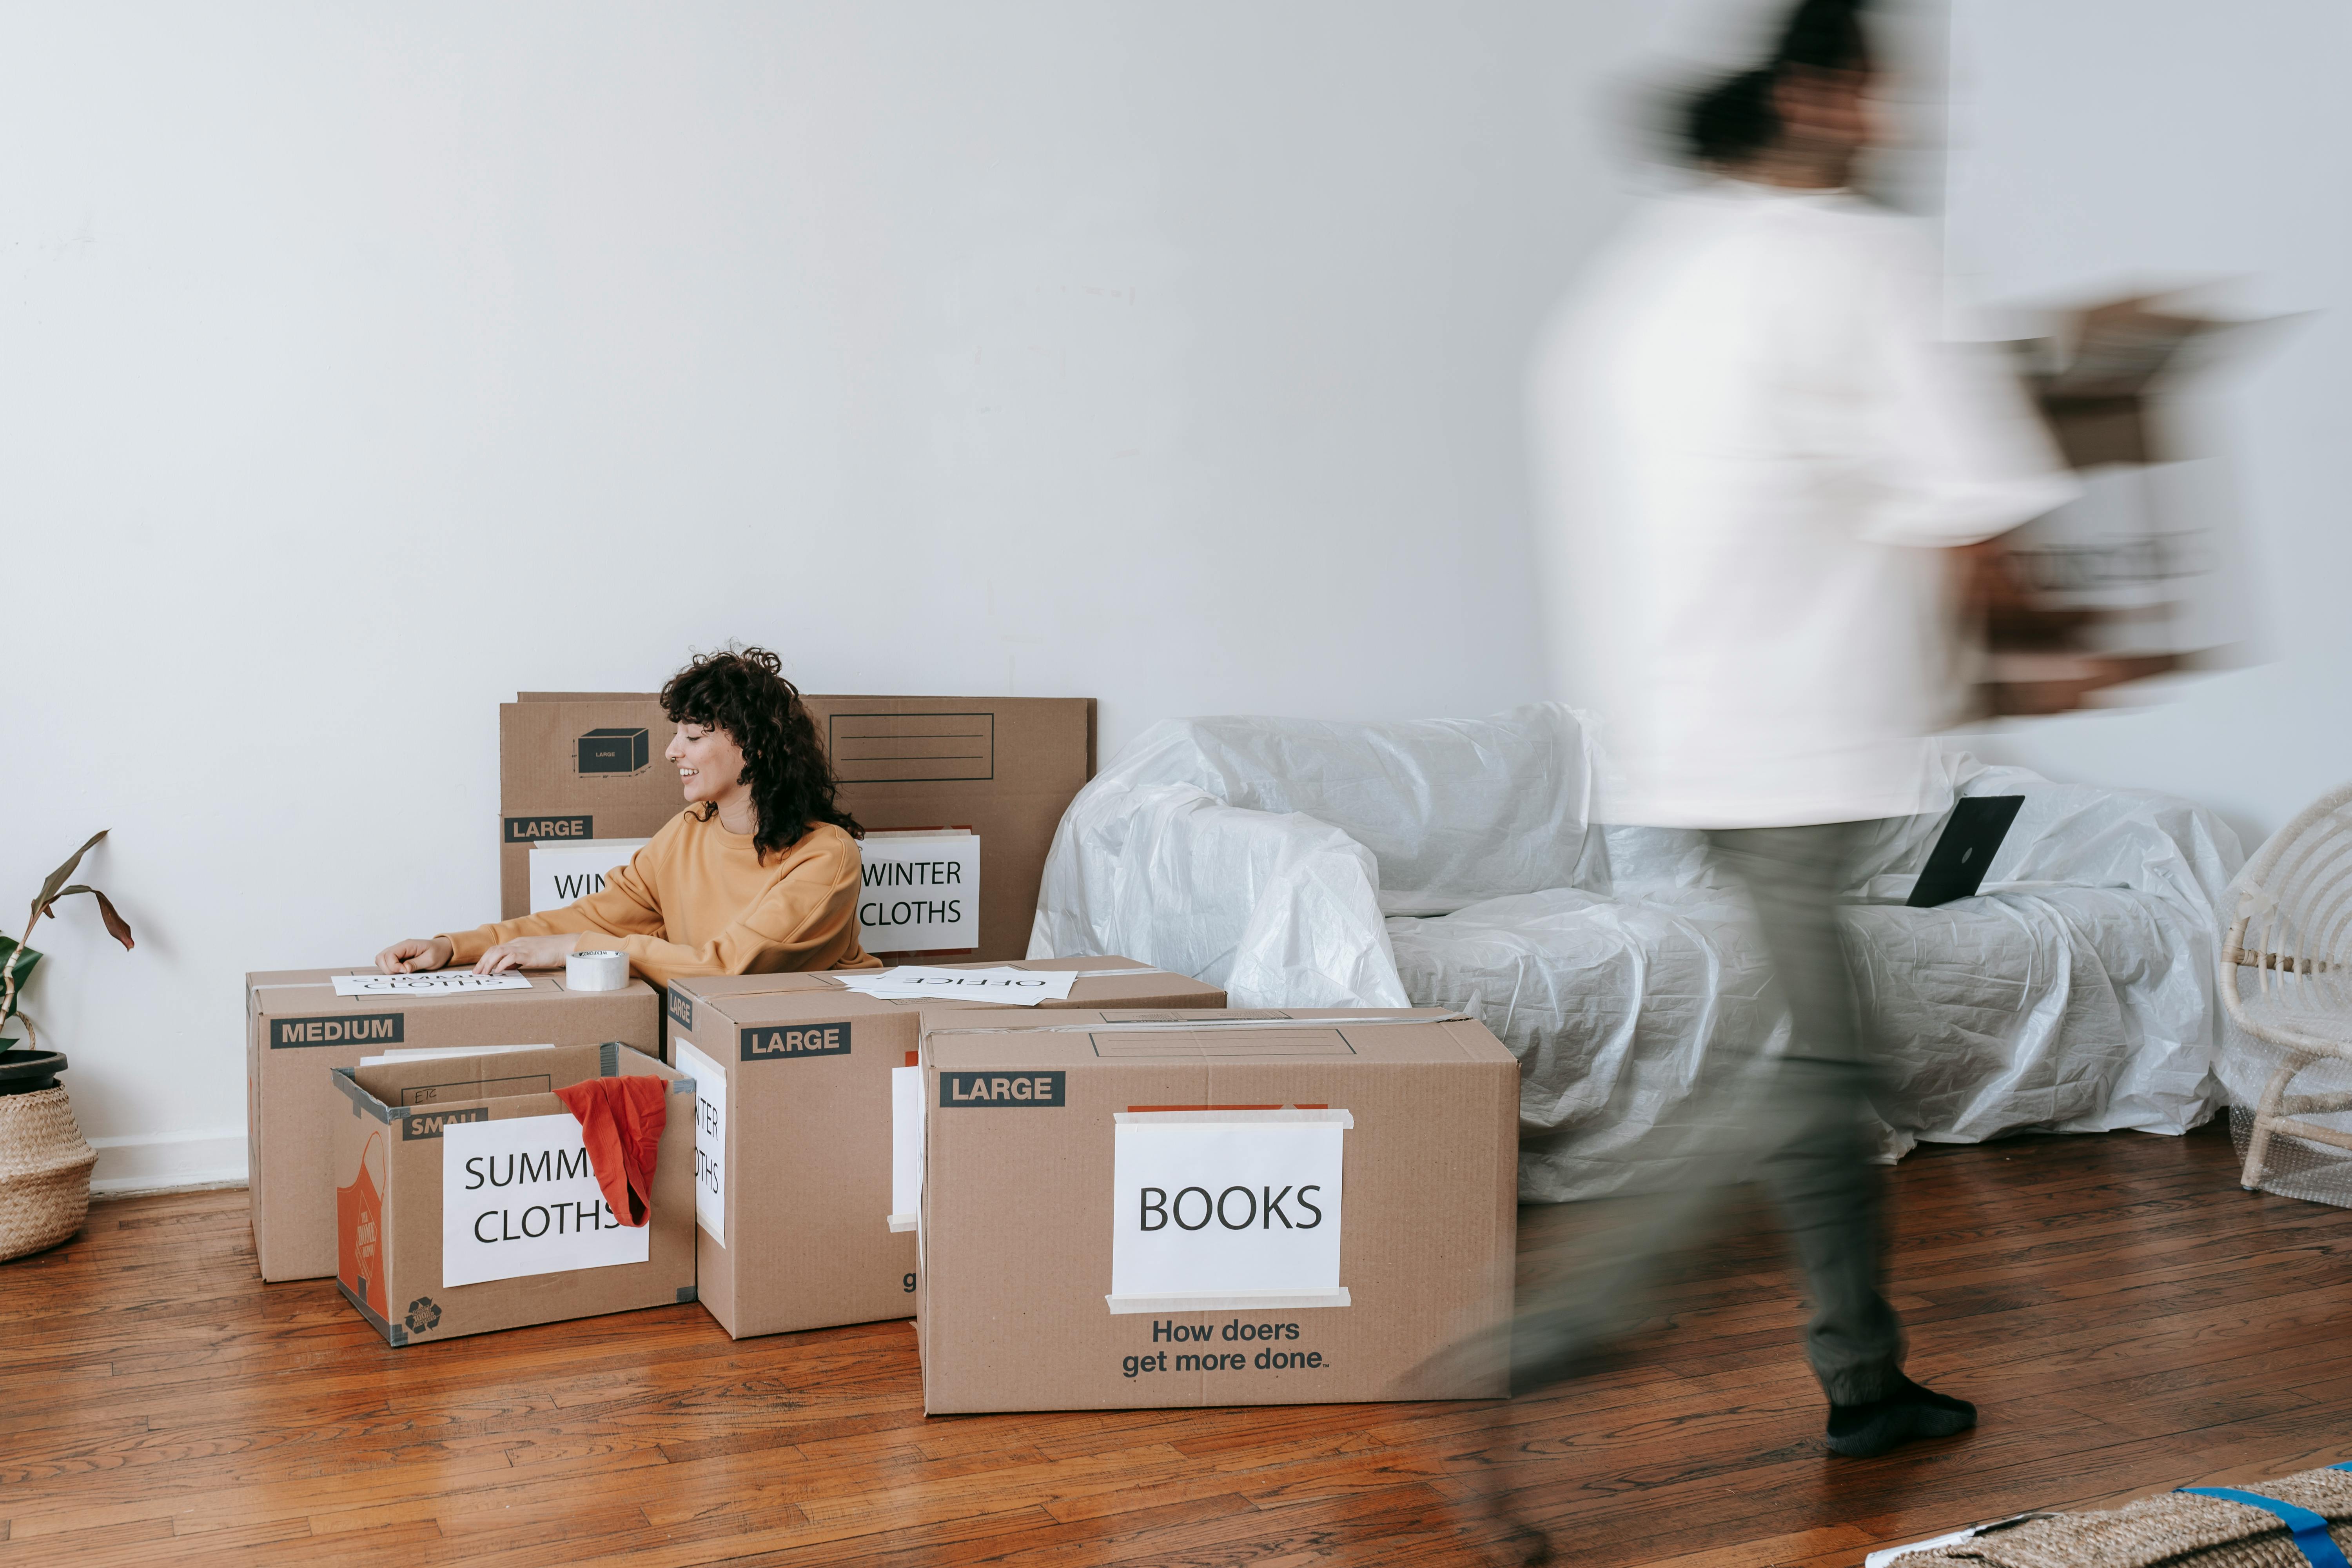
<point x="793" y="1178"/>
<point x="464" y="1201"/>
<point x="1004" y="768"/>
<point x="297" y="1030"/>
<point x="1214" y="1208"/>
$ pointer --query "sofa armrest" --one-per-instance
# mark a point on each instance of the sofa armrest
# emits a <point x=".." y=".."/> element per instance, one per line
<point x="1280" y="910"/>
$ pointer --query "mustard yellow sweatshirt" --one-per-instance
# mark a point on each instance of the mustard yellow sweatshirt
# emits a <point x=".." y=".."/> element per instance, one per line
<point x="696" y="900"/>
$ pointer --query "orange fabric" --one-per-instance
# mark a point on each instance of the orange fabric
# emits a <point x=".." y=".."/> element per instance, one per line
<point x="621" y="1120"/>
<point x="698" y="899"/>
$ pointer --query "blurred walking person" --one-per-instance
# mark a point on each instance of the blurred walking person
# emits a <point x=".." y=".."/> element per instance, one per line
<point x="1762" y="469"/>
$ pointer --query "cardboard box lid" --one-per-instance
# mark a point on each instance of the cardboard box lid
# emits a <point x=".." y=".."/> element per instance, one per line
<point x="277" y="991"/>
<point x="441" y="1080"/>
<point x="1105" y="1038"/>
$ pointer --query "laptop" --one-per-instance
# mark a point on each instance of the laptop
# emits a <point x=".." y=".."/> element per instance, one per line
<point x="1956" y="865"/>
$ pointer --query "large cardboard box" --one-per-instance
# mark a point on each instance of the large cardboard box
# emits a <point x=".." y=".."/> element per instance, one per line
<point x="1214" y="1208"/>
<point x="466" y="1202"/>
<point x="575" y="765"/>
<point x="297" y="1030"/>
<point x="793" y="1153"/>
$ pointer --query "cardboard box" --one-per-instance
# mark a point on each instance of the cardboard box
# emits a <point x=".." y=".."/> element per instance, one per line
<point x="1003" y="767"/>
<point x="1212" y="1208"/>
<point x="297" y="1030"/>
<point x="465" y="1200"/>
<point x="793" y="1186"/>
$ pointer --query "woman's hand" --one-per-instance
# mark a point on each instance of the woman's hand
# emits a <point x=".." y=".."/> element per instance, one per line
<point x="415" y="955"/>
<point x="528" y="952"/>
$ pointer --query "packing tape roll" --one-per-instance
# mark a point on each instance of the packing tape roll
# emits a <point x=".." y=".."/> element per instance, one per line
<point x="600" y="971"/>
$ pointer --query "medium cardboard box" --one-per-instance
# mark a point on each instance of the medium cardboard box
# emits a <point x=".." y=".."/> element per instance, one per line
<point x="297" y="1030"/>
<point x="794" y="1135"/>
<point x="464" y="1201"/>
<point x="1214" y="1208"/>
<point x="1003" y="767"/>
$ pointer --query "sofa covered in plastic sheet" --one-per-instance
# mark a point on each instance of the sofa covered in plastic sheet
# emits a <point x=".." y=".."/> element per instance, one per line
<point x="1453" y="863"/>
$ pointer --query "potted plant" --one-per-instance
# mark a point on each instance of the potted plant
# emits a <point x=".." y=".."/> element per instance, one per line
<point x="43" y="1164"/>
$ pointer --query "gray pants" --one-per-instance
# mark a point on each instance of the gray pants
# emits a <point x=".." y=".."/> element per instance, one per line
<point x="1797" y="1124"/>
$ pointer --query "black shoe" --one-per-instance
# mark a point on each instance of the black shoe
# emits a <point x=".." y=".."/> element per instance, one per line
<point x="1908" y="1410"/>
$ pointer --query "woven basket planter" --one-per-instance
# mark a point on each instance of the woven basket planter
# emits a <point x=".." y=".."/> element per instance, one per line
<point x="44" y="1171"/>
<point x="2176" y="1530"/>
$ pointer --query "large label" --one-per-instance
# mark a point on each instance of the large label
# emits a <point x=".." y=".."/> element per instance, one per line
<point x="535" y="829"/>
<point x="519" y="1197"/>
<point x="1035" y="1089"/>
<point x="778" y="1042"/>
<point x="709" y="1139"/>
<point x="1235" y="1208"/>
<point x="681" y="1008"/>
<point x="349" y="1029"/>
<point x="563" y="872"/>
<point x="919" y="893"/>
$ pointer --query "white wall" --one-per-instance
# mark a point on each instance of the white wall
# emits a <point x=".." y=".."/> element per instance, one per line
<point x="2099" y="147"/>
<point x="362" y="364"/>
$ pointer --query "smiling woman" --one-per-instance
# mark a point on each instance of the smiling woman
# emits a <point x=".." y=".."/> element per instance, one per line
<point x="759" y="873"/>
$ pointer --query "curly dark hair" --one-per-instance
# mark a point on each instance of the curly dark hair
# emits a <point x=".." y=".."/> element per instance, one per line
<point x="1734" y="119"/>
<point x="746" y="694"/>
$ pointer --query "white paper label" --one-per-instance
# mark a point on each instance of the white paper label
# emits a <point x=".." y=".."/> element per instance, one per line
<point x="519" y="1197"/>
<point x="1226" y="1208"/>
<point x="920" y="894"/>
<point x="432" y="983"/>
<point x="1005" y="984"/>
<point x="906" y="1148"/>
<point x="563" y="872"/>
<point x="709" y="1138"/>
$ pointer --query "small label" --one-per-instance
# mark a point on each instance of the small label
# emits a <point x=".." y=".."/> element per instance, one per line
<point x="681" y="1008"/>
<point x="1030" y="1088"/>
<point x="772" y="1042"/>
<point x="419" y="1124"/>
<point x="349" y="1029"/>
<point x="535" y="829"/>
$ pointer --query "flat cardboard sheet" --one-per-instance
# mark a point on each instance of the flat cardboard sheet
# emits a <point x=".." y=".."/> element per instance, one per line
<point x="571" y="767"/>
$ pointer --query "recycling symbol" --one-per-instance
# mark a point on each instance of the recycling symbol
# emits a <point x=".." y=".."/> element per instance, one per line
<point x="423" y="1313"/>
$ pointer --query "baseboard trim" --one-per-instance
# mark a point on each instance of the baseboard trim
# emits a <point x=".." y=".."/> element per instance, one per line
<point x="170" y="1162"/>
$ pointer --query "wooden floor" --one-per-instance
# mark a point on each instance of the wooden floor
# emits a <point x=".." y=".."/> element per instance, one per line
<point x="2129" y="1320"/>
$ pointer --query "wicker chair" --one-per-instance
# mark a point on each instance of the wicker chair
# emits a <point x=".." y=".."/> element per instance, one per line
<point x="2294" y="930"/>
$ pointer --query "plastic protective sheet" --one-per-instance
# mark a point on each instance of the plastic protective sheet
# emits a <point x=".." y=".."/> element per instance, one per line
<point x="1452" y="864"/>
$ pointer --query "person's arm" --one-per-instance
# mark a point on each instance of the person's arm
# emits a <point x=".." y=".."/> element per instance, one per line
<point x="627" y="906"/>
<point x="807" y="919"/>
<point x="1955" y="453"/>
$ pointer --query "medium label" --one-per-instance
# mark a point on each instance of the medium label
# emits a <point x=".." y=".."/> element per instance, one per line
<point x="773" y="1042"/>
<point x="533" y="829"/>
<point x="1035" y="1089"/>
<point x="349" y="1029"/>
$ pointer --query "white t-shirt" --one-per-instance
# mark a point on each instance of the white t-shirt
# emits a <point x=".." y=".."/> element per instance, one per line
<point x="1751" y="445"/>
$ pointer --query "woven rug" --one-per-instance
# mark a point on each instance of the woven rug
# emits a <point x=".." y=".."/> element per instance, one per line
<point x="2296" y="1521"/>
